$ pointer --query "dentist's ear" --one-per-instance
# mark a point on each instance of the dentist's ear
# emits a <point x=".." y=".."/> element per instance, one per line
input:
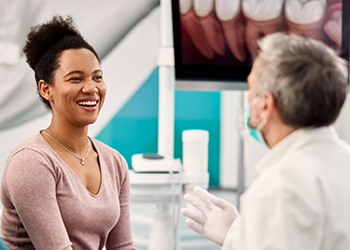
<point x="44" y="90"/>
<point x="269" y="106"/>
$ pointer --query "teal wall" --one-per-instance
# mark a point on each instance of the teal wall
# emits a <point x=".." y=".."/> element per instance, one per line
<point x="199" y="110"/>
<point x="134" y="129"/>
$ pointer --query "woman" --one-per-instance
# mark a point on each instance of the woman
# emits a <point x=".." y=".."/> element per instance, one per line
<point x="60" y="188"/>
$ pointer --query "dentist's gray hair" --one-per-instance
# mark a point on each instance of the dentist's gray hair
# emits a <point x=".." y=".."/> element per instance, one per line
<point x="308" y="80"/>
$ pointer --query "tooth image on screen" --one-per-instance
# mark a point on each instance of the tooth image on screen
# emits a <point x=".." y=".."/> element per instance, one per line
<point x="204" y="10"/>
<point x="232" y="21"/>
<point x="333" y="23"/>
<point x="263" y="18"/>
<point x="215" y="41"/>
<point x="305" y="17"/>
<point x="192" y="25"/>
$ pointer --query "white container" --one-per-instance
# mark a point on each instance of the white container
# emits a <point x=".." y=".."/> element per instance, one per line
<point x="195" y="151"/>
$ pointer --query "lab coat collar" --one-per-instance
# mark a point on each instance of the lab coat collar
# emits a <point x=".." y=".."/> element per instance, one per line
<point x="294" y="140"/>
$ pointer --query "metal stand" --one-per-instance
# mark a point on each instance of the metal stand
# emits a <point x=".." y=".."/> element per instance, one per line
<point x="162" y="235"/>
<point x="241" y="176"/>
<point x="164" y="222"/>
<point x="166" y="63"/>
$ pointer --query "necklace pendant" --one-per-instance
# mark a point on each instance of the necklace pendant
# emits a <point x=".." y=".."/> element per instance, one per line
<point x="82" y="161"/>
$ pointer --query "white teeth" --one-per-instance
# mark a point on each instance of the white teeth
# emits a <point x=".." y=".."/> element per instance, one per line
<point x="333" y="27"/>
<point x="203" y="7"/>
<point x="305" y="11"/>
<point x="88" y="103"/>
<point x="258" y="10"/>
<point x="185" y="6"/>
<point x="227" y="9"/>
<point x="337" y="15"/>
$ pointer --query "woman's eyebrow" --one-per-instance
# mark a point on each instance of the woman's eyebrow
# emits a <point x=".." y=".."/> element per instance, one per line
<point x="81" y="72"/>
<point x="74" y="72"/>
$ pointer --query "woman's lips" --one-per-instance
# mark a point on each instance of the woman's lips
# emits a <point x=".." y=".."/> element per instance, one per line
<point x="90" y="105"/>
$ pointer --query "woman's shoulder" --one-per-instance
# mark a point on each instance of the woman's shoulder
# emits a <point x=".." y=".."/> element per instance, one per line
<point x="32" y="155"/>
<point x="35" y="143"/>
<point x="32" y="151"/>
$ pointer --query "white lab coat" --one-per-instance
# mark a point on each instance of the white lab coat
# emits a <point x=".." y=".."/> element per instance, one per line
<point x="301" y="197"/>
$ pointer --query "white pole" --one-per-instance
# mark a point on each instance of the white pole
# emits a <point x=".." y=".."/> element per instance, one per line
<point x="166" y="83"/>
<point x="162" y="235"/>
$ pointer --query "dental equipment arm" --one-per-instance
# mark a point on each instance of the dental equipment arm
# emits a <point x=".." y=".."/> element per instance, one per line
<point x="217" y="218"/>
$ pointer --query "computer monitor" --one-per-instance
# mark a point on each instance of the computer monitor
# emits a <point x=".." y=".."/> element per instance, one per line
<point x="215" y="41"/>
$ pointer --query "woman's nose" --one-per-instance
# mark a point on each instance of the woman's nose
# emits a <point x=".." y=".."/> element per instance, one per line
<point x="90" y="87"/>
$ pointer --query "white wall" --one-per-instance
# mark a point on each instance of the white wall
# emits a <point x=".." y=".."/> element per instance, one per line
<point x="230" y="138"/>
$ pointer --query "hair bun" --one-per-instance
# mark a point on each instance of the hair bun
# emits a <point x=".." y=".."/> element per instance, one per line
<point x="43" y="36"/>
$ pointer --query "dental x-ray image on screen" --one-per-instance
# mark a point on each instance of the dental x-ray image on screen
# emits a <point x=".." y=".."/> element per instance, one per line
<point x="217" y="39"/>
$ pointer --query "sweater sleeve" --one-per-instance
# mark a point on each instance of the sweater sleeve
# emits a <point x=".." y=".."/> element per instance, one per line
<point x="29" y="187"/>
<point x="120" y="236"/>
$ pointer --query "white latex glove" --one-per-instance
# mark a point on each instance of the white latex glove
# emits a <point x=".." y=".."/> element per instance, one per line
<point x="217" y="218"/>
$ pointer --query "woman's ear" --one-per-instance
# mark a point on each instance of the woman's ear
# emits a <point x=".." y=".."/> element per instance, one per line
<point x="44" y="89"/>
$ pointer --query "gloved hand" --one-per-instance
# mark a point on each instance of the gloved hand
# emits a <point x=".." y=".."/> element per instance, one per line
<point x="217" y="219"/>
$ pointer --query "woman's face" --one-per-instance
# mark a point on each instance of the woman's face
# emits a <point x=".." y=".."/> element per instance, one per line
<point x="78" y="91"/>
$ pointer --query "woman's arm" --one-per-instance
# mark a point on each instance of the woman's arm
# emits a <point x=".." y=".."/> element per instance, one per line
<point x="29" y="197"/>
<point x="120" y="237"/>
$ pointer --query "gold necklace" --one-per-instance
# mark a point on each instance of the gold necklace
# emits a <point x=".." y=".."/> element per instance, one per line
<point x="80" y="158"/>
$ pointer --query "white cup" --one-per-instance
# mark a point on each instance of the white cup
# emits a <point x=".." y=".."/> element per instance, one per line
<point x="195" y="151"/>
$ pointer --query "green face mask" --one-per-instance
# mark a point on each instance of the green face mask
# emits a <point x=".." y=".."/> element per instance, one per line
<point x="252" y="131"/>
<point x="255" y="133"/>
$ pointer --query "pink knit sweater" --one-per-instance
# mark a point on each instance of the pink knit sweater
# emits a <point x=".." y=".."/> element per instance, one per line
<point x="46" y="206"/>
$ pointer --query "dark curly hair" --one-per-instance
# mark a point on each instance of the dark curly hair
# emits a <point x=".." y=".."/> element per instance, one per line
<point x="45" y="44"/>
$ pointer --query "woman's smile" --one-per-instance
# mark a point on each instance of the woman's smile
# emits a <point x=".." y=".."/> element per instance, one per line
<point x="88" y="104"/>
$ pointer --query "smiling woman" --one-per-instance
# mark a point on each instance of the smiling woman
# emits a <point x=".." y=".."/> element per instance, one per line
<point x="79" y="89"/>
<point x="60" y="188"/>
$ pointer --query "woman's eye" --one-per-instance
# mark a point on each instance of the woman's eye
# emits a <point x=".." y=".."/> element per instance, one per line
<point x="98" y="78"/>
<point x="75" y="79"/>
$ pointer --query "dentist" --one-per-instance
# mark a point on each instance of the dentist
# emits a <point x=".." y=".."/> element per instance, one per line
<point x="300" y="199"/>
